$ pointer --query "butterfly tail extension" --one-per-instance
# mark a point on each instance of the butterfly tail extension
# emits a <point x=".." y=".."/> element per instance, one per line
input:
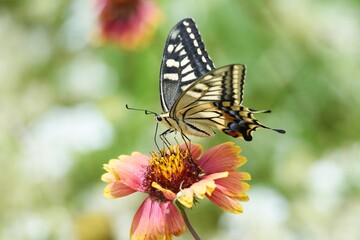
<point x="240" y="121"/>
<point x="282" y="131"/>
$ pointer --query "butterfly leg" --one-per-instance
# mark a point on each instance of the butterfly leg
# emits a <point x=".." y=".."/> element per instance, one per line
<point x="156" y="129"/>
<point x="186" y="140"/>
<point x="164" y="139"/>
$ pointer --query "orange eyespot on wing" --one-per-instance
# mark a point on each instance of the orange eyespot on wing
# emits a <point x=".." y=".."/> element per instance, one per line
<point x="232" y="133"/>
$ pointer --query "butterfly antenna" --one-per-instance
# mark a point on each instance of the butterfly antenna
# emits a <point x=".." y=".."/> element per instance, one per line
<point x="259" y="111"/>
<point x="147" y="112"/>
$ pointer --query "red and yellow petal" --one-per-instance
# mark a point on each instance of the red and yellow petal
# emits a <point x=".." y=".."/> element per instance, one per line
<point x="207" y="184"/>
<point x="131" y="170"/>
<point x="111" y="174"/>
<point x="201" y="188"/>
<point x="225" y="202"/>
<point x="140" y="225"/>
<point x="117" y="189"/>
<point x="156" y="220"/>
<point x="234" y="186"/>
<point x="221" y="158"/>
<point x="186" y="197"/>
<point x="124" y="175"/>
<point x="173" y="219"/>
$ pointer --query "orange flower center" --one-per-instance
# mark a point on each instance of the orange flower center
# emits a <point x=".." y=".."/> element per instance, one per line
<point x="173" y="170"/>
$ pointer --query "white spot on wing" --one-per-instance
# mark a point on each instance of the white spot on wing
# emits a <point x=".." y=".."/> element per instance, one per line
<point x="199" y="51"/>
<point x="185" y="23"/>
<point x="196" y="43"/>
<point x="187" y="69"/>
<point x="172" y="63"/>
<point x="192" y="36"/>
<point x="203" y="59"/>
<point x="208" y="67"/>
<point x="171" y="76"/>
<point x="178" y="47"/>
<point x="183" y="52"/>
<point x="170" y="48"/>
<point x="188" y="30"/>
<point x="189" y="77"/>
<point x="175" y="34"/>
<point x="184" y="61"/>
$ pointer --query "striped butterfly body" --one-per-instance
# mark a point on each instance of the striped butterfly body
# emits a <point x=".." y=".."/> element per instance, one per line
<point x="196" y="97"/>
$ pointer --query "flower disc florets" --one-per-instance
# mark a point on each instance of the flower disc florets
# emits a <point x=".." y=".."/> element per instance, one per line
<point x="173" y="170"/>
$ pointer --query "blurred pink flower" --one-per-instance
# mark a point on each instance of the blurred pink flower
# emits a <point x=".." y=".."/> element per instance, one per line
<point x="129" y="23"/>
<point x="176" y="174"/>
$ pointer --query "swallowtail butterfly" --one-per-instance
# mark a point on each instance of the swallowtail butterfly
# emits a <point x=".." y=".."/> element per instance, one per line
<point x="195" y="96"/>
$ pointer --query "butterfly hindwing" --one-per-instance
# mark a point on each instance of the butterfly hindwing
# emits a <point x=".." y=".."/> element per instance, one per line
<point x="214" y="100"/>
<point x="221" y="84"/>
<point x="184" y="61"/>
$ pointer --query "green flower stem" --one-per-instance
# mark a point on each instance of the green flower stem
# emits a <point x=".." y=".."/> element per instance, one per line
<point x="188" y="224"/>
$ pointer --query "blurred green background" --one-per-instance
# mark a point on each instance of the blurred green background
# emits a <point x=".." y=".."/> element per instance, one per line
<point x="62" y="106"/>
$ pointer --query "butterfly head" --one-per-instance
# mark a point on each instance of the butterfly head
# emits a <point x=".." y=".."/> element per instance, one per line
<point x="158" y="118"/>
<point x="165" y="119"/>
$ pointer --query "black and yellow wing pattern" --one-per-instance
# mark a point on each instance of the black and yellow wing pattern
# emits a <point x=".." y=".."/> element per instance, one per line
<point x="184" y="61"/>
<point x="196" y="97"/>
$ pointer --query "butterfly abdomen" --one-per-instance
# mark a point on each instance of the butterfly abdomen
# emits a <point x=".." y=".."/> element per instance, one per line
<point x="194" y="128"/>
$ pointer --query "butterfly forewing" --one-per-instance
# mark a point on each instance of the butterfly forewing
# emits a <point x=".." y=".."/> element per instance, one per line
<point x="184" y="61"/>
